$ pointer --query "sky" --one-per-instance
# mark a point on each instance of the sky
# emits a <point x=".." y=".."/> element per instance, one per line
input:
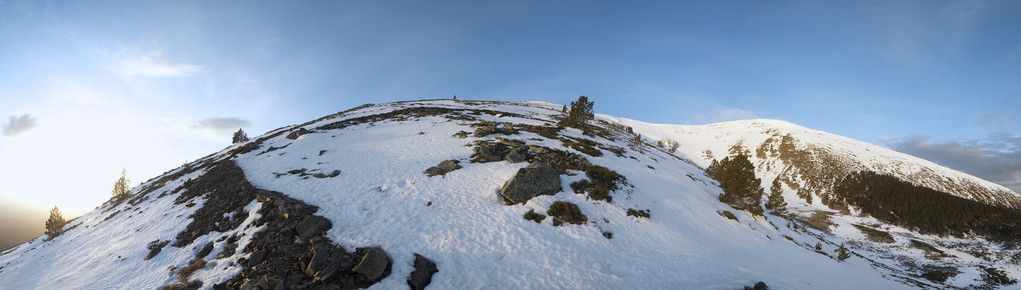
<point x="88" y="88"/>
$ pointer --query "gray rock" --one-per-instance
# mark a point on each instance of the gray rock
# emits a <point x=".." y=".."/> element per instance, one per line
<point x="205" y="250"/>
<point x="299" y="133"/>
<point x="155" y="247"/>
<point x="533" y="180"/>
<point x="312" y="226"/>
<point x="256" y="258"/>
<point x="373" y="264"/>
<point x="515" y="157"/>
<point x="443" y="168"/>
<point x="423" y="274"/>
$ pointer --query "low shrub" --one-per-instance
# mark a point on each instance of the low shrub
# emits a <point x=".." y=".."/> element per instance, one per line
<point x="532" y="216"/>
<point x="642" y="213"/>
<point x="727" y="214"/>
<point x="563" y="211"/>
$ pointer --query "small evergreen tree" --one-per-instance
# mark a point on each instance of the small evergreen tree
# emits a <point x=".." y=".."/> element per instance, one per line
<point x="775" y="202"/>
<point x="240" y="136"/>
<point x="122" y="185"/>
<point x="579" y="114"/>
<point x="818" y="246"/>
<point x="55" y="224"/>
<point x="842" y="253"/>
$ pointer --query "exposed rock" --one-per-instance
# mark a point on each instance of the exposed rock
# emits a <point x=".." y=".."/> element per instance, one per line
<point x="758" y="286"/>
<point x="515" y="156"/>
<point x="205" y="250"/>
<point x="155" y="247"/>
<point x="335" y="173"/>
<point x="533" y="180"/>
<point x="423" y="274"/>
<point x="301" y="132"/>
<point x="312" y="226"/>
<point x="488" y="151"/>
<point x="256" y="258"/>
<point x="373" y="263"/>
<point x="443" y="168"/>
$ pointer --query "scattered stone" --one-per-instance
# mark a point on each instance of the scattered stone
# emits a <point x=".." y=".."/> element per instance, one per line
<point x="443" y="168"/>
<point x="155" y="247"/>
<point x="228" y="250"/>
<point x="301" y="132"/>
<point x="515" y="156"/>
<point x="256" y="258"/>
<point x="373" y="263"/>
<point x="335" y="173"/>
<point x="758" y="286"/>
<point x="538" y="149"/>
<point x="533" y="180"/>
<point x="423" y="274"/>
<point x="205" y="250"/>
<point x="312" y="226"/>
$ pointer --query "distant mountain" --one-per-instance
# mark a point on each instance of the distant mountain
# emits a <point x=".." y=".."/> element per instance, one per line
<point x="472" y="194"/>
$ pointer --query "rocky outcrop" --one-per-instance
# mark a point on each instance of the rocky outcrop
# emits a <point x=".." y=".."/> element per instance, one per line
<point x="533" y="180"/>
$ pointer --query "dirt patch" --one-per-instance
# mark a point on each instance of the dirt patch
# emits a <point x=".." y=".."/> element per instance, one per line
<point x="875" y="235"/>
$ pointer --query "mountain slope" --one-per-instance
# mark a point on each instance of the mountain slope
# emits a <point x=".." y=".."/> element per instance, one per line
<point x="325" y="196"/>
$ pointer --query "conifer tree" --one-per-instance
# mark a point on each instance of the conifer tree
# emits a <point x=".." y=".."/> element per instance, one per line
<point x="842" y="253"/>
<point x="741" y="188"/>
<point x="240" y="136"/>
<point x="775" y="203"/>
<point x="579" y="114"/>
<point x="55" y="224"/>
<point x="122" y="186"/>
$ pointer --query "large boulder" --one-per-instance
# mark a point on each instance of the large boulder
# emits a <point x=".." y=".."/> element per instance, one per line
<point x="533" y="180"/>
<point x="312" y="226"/>
<point x="373" y="264"/>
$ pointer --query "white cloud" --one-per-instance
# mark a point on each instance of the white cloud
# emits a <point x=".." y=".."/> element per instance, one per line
<point x="18" y="125"/>
<point x="148" y="66"/>
<point x="221" y="124"/>
<point x="734" y="114"/>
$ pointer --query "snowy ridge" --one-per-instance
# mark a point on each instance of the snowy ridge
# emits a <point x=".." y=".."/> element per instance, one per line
<point x="364" y="170"/>
<point x="851" y="155"/>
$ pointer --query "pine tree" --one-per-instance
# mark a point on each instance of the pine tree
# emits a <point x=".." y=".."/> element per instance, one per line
<point x="55" y="224"/>
<point x="741" y="188"/>
<point x="240" y="136"/>
<point x="775" y="202"/>
<point x="122" y="186"/>
<point x="842" y="253"/>
<point x="818" y="246"/>
<point x="579" y="114"/>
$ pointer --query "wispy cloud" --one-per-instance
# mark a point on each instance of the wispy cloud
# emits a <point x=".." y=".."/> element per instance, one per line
<point x="734" y="114"/>
<point x="18" y="125"/>
<point x="147" y="66"/>
<point x="996" y="158"/>
<point x="1003" y="120"/>
<point x="221" y="124"/>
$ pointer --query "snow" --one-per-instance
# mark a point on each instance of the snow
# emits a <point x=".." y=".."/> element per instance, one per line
<point x="382" y="198"/>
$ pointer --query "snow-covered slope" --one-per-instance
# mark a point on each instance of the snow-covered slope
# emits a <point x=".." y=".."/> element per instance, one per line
<point x="362" y="170"/>
<point x="813" y="160"/>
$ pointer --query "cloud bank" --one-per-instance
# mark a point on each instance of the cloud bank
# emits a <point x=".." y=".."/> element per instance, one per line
<point x="221" y="124"/>
<point x="148" y="67"/>
<point x="996" y="158"/>
<point x="18" y="125"/>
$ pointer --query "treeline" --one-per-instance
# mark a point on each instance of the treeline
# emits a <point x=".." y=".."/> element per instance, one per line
<point x="926" y="210"/>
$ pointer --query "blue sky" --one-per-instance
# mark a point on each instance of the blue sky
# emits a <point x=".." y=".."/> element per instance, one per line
<point x="90" y="87"/>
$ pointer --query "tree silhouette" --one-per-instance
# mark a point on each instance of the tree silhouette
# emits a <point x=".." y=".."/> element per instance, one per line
<point x="55" y="224"/>
<point x="240" y="136"/>
<point x="579" y="114"/>
<point x="122" y="186"/>
<point x="775" y="202"/>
